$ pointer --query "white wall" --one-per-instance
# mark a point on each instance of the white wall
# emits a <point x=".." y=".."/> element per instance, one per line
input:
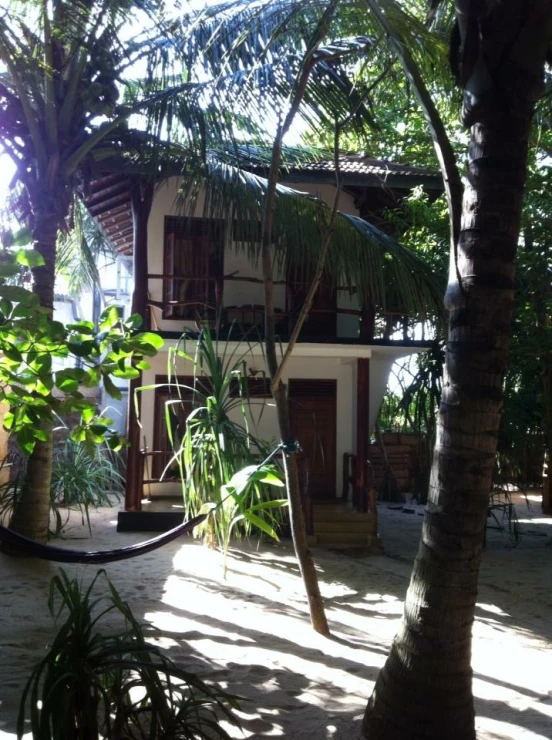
<point x="236" y="293"/>
<point x="264" y="425"/>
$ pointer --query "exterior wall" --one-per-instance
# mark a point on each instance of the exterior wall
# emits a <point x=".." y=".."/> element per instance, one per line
<point x="263" y="421"/>
<point x="235" y="262"/>
<point x="308" y="362"/>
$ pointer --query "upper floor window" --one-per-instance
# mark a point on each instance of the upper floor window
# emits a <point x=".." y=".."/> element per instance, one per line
<point x="193" y="267"/>
<point x="322" y="318"/>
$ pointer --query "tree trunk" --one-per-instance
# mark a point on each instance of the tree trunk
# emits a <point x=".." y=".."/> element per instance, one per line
<point x="279" y="391"/>
<point x="424" y="690"/>
<point x="297" y="521"/>
<point x="547" y="464"/>
<point x="31" y="513"/>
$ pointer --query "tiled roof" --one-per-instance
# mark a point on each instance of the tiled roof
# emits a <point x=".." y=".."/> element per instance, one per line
<point x="109" y="195"/>
<point x="361" y="165"/>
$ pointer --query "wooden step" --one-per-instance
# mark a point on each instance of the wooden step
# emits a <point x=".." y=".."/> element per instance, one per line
<point x="352" y="526"/>
<point x="339" y="516"/>
<point x="350" y="539"/>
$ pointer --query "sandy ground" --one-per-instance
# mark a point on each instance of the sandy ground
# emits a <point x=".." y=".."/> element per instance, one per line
<point x="251" y="633"/>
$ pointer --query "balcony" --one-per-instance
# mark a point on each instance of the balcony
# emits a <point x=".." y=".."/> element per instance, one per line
<point x="192" y="301"/>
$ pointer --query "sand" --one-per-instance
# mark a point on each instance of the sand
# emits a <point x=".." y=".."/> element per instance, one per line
<point x="251" y="632"/>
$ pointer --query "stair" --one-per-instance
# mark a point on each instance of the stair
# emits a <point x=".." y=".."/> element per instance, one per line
<point x="334" y="525"/>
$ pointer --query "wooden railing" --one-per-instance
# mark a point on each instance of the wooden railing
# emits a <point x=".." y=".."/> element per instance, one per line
<point x="252" y="315"/>
<point x="361" y="492"/>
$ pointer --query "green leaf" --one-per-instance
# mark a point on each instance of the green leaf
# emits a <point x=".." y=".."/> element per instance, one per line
<point x="82" y="349"/>
<point x="67" y="385"/>
<point x="271" y="479"/>
<point x="98" y="429"/>
<point x="68" y="380"/>
<point x="29" y="258"/>
<point x="92" y="377"/>
<point x="8" y="269"/>
<point x="127" y="373"/>
<point x="26" y="439"/>
<point x="42" y="363"/>
<point x="5" y="306"/>
<point x="148" y="339"/>
<point x="134" y="322"/>
<point x="109" y="318"/>
<point x="78" y="434"/>
<point x="14" y="293"/>
<point x="88" y="414"/>
<point x="111" y="388"/>
<point x="275" y="503"/>
<point x="82" y="327"/>
<point x="260" y="524"/>
<point x="12" y="353"/>
<point x="116" y="442"/>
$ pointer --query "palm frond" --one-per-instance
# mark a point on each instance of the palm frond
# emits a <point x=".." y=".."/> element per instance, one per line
<point x="382" y="271"/>
<point x="80" y="250"/>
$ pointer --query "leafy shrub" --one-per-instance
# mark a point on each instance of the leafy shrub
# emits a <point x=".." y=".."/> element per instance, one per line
<point x="217" y="456"/>
<point x="81" y="478"/>
<point x="96" y="684"/>
<point x="84" y="477"/>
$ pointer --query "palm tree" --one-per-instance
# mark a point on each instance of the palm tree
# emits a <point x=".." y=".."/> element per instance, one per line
<point x="498" y="52"/>
<point x="66" y="96"/>
<point x="424" y="689"/>
<point x="80" y="250"/>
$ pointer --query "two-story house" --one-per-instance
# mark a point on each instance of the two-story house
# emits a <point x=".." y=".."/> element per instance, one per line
<point x="191" y="270"/>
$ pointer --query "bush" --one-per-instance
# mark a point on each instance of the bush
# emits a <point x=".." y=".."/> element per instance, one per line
<point x="94" y="684"/>
<point x="83" y="478"/>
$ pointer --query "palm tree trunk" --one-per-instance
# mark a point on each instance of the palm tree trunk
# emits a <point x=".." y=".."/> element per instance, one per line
<point x="32" y="509"/>
<point x="547" y="468"/>
<point x="297" y="519"/>
<point x="425" y="688"/>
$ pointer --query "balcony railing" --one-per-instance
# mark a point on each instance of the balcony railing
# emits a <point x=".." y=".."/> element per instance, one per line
<point x="248" y="316"/>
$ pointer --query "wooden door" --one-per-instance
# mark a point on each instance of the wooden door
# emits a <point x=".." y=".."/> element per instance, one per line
<point x="312" y="405"/>
<point x="172" y="406"/>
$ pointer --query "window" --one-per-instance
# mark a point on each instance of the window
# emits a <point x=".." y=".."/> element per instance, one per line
<point x="322" y="318"/>
<point x="194" y="264"/>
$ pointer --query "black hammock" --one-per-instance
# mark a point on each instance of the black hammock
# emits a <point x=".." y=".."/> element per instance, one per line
<point x="19" y="545"/>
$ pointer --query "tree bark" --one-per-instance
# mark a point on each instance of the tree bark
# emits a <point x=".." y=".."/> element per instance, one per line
<point x="31" y="514"/>
<point x="424" y="690"/>
<point x="279" y="390"/>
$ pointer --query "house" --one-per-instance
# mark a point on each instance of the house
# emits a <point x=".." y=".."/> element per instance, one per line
<point x="190" y="270"/>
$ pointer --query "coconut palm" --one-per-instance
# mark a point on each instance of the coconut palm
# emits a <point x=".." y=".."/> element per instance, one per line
<point x="66" y="96"/>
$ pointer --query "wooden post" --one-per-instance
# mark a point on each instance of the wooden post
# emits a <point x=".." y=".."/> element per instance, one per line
<point x="141" y="196"/>
<point x="367" y="322"/>
<point x="363" y="438"/>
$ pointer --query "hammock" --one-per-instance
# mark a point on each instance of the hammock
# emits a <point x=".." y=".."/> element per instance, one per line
<point x="20" y="545"/>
